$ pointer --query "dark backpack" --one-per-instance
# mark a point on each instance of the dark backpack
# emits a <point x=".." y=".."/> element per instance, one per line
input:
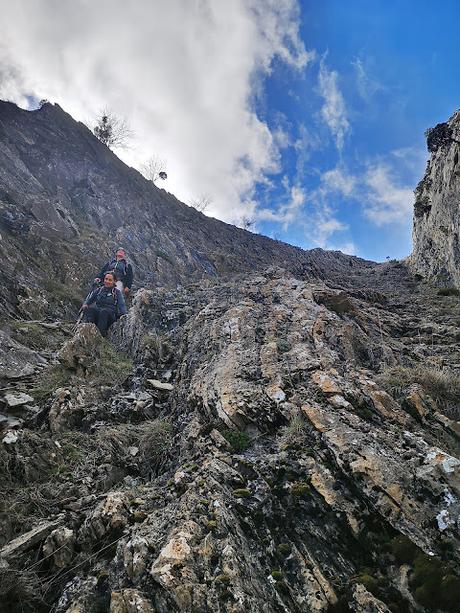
<point x="117" y="271"/>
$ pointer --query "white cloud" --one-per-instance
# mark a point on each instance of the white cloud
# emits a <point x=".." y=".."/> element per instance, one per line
<point x="183" y="73"/>
<point x="334" y="111"/>
<point x="367" y="84"/>
<point x="349" y="248"/>
<point x="337" y="180"/>
<point x="288" y="212"/>
<point x="386" y="201"/>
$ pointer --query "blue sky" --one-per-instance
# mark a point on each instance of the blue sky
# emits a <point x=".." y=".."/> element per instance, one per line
<point x="304" y="118"/>
<point x="389" y="70"/>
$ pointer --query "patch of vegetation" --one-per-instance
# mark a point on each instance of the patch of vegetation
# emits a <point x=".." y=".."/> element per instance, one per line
<point x="435" y="585"/>
<point x="111" y="368"/>
<point x="369" y="581"/>
<point x="238" y="440"/>
<point x="61" y="292"/>
<point x="432" y="581"/>
<point x="284" y="549"/>
<point x="403" y="549"/>
<point x="277" y="575"/>
<point x="223" y="579"/>
<point x="443" y="386"/>
<point x="38" y="475"/>
<point x="299" y="489"/>
<point x="164" y="256"/>
<point x="283" y="345"/>
<point x="242" y="493"/>
<point x="293" y="435"/>
<point x="449" y="291"/>
<point x="30" y="334"/>
<point x="50" y="380"/>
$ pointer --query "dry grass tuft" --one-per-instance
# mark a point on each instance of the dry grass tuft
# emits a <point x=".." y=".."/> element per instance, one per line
<point x="443" y="386"/>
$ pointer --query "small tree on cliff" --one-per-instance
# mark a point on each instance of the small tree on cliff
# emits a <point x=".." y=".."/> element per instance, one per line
<point x="201" y="203"/>
<point x="112" y="130"/>
<point x="154" y="168"/>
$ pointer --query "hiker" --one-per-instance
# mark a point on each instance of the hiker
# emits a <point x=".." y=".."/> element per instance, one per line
<point x="122" y="270"/>
<point x="104" y="305"/>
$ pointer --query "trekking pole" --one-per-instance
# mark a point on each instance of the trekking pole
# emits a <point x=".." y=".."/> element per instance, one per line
<point x="81" y="311"/>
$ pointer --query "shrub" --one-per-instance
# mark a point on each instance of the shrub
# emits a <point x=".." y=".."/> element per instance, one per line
<point x="223" y="579"/>
<point x="449" y="291"/>
<point x="284" y="549"/>
<point x="403" y="549"/>
<point x="238" y="440"/>
<point x="369" y="582"/>
<point x="435" y="584"/>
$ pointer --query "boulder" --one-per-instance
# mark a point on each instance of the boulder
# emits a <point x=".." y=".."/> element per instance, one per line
<point x="130" y="601"/>
<point x="60" y="545"/>
<point x="17" y="399"/>
<point x="160" y="385"/>
<point x="83" y="350"/>
<point x="28" y="540"/>
<point x="16" y="360"/>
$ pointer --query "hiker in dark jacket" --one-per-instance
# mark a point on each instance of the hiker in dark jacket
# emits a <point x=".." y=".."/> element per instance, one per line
<point x="104" y="305"/>
<point x="122" y="269"/>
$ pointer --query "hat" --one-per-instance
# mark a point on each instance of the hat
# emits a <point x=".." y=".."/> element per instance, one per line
<point x="120" y="250"/>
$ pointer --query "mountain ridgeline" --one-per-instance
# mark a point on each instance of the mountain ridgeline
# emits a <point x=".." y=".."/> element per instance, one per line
<point x="267" y="429"/>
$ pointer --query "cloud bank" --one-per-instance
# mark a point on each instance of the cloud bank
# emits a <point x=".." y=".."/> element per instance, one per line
<point x="184" y="73"/>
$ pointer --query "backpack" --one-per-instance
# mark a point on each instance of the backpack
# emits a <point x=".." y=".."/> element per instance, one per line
<point x="118" y="271"/>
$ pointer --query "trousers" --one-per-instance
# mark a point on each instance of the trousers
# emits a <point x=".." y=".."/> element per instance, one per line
<point x="103" y="318"/>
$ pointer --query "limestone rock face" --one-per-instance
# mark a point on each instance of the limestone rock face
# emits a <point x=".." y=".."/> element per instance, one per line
<point x="436" y="230"/>
<point x="284" y="475"/>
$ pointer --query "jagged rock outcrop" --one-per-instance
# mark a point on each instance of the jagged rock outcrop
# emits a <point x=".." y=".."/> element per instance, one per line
<point x="254" y="457"/>
<point x="436" y="233"/>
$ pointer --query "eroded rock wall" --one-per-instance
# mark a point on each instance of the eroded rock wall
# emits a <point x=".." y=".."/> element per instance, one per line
<point x="436" y="229"/>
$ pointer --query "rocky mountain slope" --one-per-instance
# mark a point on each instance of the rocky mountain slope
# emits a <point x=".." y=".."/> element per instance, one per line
<point x="436" y="214"/>
<point x="281" y="439"/>
<point x="66" y="202"/>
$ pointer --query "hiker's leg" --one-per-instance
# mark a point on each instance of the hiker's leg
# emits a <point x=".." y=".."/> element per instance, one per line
<point x="106" y="319"/>
<point x="91" y="315"/>
<point x="119" y="285"/>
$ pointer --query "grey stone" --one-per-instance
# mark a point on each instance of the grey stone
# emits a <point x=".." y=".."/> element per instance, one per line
<point x="17" y="399"/>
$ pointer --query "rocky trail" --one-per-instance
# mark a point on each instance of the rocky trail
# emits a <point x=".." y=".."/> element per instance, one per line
<point x="270" y="441"/>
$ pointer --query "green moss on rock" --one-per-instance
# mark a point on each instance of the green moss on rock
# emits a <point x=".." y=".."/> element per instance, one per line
<point x="242" y="493"/>
<point x="277" y="575"/>
<point x="223" y="579"/>
<point x="300" y="489"/>
<point x="284" y="549"/>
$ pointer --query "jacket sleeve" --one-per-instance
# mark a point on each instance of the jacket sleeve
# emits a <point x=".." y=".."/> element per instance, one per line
<point x="129" y="276"/>
<point x="104" y="269"/>
<point x="121" y="304"/>
<point x="92" y="297"/>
